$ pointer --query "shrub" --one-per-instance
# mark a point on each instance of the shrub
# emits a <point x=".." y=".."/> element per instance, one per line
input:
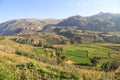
<point x="18" y="52"/>
<point x="111" y="66"/>
<point x="95" y="61"/>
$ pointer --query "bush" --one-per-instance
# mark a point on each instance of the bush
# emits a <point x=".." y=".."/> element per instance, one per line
<point x="95" y="61"/>
<point x="18" y="52"/>
<point x="111" y="66"/>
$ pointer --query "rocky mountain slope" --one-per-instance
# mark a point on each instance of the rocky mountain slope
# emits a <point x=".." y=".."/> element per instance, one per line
<point x="24" y="25"/>
<point x="102" y="27"/>
<point x="103" y="22"/>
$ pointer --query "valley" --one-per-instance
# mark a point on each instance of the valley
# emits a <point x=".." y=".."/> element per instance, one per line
<point x="75" y="48"/>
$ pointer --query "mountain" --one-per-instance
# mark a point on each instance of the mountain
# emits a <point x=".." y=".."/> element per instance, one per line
<point x="24" y="25"/>
<point x="103" y="27"/>
<point x="103" y="22"/>
<point x="105" y="15"/>
<point x="74" y="29"/>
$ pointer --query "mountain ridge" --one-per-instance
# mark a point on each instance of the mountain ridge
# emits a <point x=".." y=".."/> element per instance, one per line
<point x="29" y="25"/>
<point x="103" y="22"/>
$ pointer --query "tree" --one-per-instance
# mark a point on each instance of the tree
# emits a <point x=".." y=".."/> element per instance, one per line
<point x="59" y="55"/>
<point x="95" y="60"/>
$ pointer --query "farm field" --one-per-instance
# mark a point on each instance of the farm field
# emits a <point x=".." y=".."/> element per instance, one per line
<point x="78" y="53"/>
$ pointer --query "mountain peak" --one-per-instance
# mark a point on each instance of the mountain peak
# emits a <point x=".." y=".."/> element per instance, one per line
<point x="105" y="15"/>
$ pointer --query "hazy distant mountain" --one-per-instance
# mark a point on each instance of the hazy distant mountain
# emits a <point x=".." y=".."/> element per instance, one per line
<point x="103" y="22"/>
<point x="105" y="15"/>
<point x="24" y="25"/>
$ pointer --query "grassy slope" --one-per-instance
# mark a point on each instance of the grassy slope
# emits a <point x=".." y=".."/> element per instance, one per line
<point x="20" y="67"/>
<point x="33" y="69"/>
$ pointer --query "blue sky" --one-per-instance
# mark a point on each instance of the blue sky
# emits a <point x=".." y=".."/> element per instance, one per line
<point x="14" y="9"/>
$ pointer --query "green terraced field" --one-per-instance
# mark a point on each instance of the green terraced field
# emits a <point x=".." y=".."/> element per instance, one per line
<point x="78" y="53"/>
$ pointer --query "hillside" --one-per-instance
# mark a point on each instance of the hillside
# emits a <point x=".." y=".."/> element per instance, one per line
<point x="22" y="26"/>
<point x="27" y="62"/>
<point x="22" y="62"/>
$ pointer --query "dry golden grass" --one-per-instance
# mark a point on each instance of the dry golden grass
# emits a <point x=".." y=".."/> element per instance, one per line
<point x="12" y="58"/>
<point x="87" y="74"/>
<point x="96" y="75"/>
<point x="10" y="46"/>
